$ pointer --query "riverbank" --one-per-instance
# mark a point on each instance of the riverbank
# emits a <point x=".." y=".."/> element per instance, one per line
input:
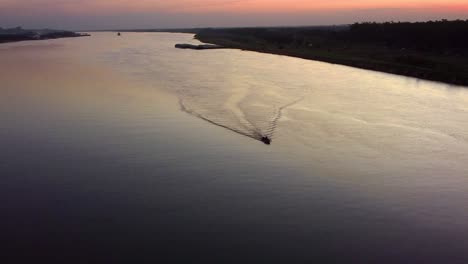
<point x="431" y="50"/>
<point x="20" y="34"/>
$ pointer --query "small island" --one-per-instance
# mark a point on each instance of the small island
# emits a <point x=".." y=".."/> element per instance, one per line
<point x="199" y="47"/>
<point x="20" y="34"/>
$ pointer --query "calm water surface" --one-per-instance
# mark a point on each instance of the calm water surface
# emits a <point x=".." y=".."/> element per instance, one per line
<point x="128" y="150"/>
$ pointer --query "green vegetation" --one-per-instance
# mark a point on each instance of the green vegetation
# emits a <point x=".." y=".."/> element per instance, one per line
<point x="434" y="50"/>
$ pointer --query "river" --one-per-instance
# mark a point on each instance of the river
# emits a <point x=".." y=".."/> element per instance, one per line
<point x="125" y="149"/>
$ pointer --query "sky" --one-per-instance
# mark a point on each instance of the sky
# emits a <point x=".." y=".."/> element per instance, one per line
<point x="128" y="14"/>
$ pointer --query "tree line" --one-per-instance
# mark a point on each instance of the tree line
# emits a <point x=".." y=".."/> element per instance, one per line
<point x="433" y="36"/>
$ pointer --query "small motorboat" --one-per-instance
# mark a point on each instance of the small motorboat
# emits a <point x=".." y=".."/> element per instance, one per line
<point x="266" y="140"/>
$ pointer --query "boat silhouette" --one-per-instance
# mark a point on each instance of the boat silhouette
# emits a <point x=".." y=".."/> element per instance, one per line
<point x="266" y="140"/>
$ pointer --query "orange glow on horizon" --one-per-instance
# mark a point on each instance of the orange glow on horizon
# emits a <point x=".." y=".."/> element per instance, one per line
<point x="227" y="6"/>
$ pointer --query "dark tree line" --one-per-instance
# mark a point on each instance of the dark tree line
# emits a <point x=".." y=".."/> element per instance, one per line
<point x="275" y="35"/>
<point x="434" y="36"/>
<point x="443" y="37"/>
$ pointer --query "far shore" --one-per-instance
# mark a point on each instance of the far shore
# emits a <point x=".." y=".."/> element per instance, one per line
<point x="19" y="34"/>
<point x="432" y="50"/>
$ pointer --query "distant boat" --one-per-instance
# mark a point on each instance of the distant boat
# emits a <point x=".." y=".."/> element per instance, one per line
<point x="118" y="34"/>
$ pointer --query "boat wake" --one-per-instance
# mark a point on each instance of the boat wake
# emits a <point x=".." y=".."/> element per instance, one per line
<point x="242" y="130"/>
<point x="243" y="92"/>
<point x="261" y="128"/>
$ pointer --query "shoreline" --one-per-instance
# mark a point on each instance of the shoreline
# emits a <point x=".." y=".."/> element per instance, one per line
<point x="380" y="66"/>
<point x="28" y="39"/>
<point x="420" y="50"/>
<point x="19" y="34"/>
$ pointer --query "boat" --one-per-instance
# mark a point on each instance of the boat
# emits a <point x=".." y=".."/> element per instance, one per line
<point x="266" y="140"/>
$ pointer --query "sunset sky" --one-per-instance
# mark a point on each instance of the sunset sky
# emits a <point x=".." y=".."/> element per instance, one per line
<point x="99" y="14"/>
